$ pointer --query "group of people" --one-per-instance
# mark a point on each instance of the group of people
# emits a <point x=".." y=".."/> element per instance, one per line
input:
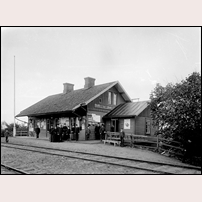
<point x="61" y="133"/>
<point x="99" y="132"/>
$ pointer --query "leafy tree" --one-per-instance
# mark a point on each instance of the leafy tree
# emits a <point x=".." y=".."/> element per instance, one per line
<point x="176" y="110"/>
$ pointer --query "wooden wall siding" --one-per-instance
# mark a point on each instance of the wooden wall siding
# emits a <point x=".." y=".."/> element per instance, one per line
<point x="108" y="124"/>
<point x="140" y="125"/>
<point x="132" y="125"/>
<point x="104" y="97"/>
<point x="145" y="113"/>
<point x="121" y="125"/>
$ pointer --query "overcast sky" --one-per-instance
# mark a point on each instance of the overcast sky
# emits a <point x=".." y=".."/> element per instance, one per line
<point x="138" y="57"/>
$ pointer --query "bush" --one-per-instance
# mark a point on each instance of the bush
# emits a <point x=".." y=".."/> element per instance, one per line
<point x="176" y="111"/>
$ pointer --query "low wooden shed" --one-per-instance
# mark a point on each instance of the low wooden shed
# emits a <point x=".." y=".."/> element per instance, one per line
<point x="133" y="117"/>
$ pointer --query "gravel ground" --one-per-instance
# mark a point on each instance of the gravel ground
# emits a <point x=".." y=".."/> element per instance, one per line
<point x="36" y="163"/>
<point x="98" y="148"/>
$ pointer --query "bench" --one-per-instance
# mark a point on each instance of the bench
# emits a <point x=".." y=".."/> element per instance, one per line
<point x="112" y="137"/>
<point x="112" y="141"/>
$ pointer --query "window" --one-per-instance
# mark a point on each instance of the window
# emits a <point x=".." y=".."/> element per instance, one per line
<point x="109" y="98"/>
<point x="100" y="100"/>
<point x="114" y="99"/>
<point x="148" y="126"/>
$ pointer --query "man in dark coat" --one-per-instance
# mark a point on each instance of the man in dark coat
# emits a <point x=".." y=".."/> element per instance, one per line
<point x="37" y="130"/>
<point x="57" y="138"/>
<point x="88" y="132"/>
<point x="60" y="131"/>
<point x="77" y="130"/>
<point x="122" y="135"/>
<point x="6" y="134"/>
<point x="68" y="133"/>
<point x="97" y="129"/>
<point x="73" y="132"/>
<point x="102" y="132"/>
<point x="52" y="134"/>
<point x="64" y="132"/>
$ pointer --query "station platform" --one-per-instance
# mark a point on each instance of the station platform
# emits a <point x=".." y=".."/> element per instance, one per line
<point x="97" y="147"/>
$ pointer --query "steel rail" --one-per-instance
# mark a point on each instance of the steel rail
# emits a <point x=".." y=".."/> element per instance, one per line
<point x="87" y="159"/>
<point x="14" y="169"/>
<point x="92" y="160"/>
<point x="115" y="157"/>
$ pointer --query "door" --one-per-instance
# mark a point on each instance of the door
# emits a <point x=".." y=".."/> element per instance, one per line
<point x="114" y="125"/>
<point x="148" y="127"/>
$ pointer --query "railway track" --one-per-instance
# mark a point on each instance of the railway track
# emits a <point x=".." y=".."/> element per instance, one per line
<point x="141" y="165"/>
<point x="8" y="170"/>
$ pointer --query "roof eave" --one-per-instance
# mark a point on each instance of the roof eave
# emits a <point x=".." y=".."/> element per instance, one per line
<point x="44" y="114"/>
<point x="124" y="116"/>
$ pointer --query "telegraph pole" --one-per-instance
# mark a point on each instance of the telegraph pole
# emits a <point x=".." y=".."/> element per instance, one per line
<point x="14" y="128"/>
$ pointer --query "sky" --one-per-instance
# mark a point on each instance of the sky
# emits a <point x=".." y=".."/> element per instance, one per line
<point x="137" y="57"/>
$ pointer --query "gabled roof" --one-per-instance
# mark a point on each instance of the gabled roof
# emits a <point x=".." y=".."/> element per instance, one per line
<point x="65" y="102"/>
<point x="130" y="109"/>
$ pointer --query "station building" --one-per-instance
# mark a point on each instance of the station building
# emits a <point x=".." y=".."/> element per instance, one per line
<point x="133" y="117"/>
<point x="82" y="107"/>
<point x="105" y="103"/>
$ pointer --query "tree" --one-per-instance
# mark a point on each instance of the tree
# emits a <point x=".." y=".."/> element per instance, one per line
<point x="176" y="109"/>
<point x="5" y="125"/>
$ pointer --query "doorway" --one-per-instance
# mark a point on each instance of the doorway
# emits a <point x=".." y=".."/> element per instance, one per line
<point x="114" y="125"/>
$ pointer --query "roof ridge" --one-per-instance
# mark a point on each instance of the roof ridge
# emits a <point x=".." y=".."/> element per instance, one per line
<point x="66" y="101"/>
<point x="82" y="89"/>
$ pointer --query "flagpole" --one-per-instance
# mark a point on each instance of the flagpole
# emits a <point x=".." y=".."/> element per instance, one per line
<point x="14" y="128"/>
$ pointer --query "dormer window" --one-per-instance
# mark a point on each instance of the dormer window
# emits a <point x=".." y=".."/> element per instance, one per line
<point x="109" y="98"/>
<point x="114" y="99"/>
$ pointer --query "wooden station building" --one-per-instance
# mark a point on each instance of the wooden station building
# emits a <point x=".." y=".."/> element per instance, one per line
<point x="106" y="103"/>
<point x="133" y="117"/>
<point x="82" y="107"/>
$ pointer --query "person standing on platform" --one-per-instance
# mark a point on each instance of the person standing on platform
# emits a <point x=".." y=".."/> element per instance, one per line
<point x="6" y="134"/>
<point x="52" y="133"/>
<point x="37" y="130"/>
<point x="73" y="132"/>
<point x="64" y="132"/>
<point x="56" y="134"/>
<point x="68" y="133"/>
<point x="77" y="130"/>
<point x="57" y="137"/>
<point x="88" y="132"/>
<point x="102" y="132"/>
<point x="97" y="129"/>
<point x="122" y="135"/>
<point x="60" y="131"/>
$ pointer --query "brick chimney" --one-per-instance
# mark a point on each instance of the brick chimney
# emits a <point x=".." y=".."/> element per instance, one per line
<point x="68" y="87"/>
<point x="89" y="82"/>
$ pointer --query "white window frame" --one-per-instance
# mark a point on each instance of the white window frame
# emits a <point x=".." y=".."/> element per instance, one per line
<point x="115" y="99"/>
<point x="109" y="98"/>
